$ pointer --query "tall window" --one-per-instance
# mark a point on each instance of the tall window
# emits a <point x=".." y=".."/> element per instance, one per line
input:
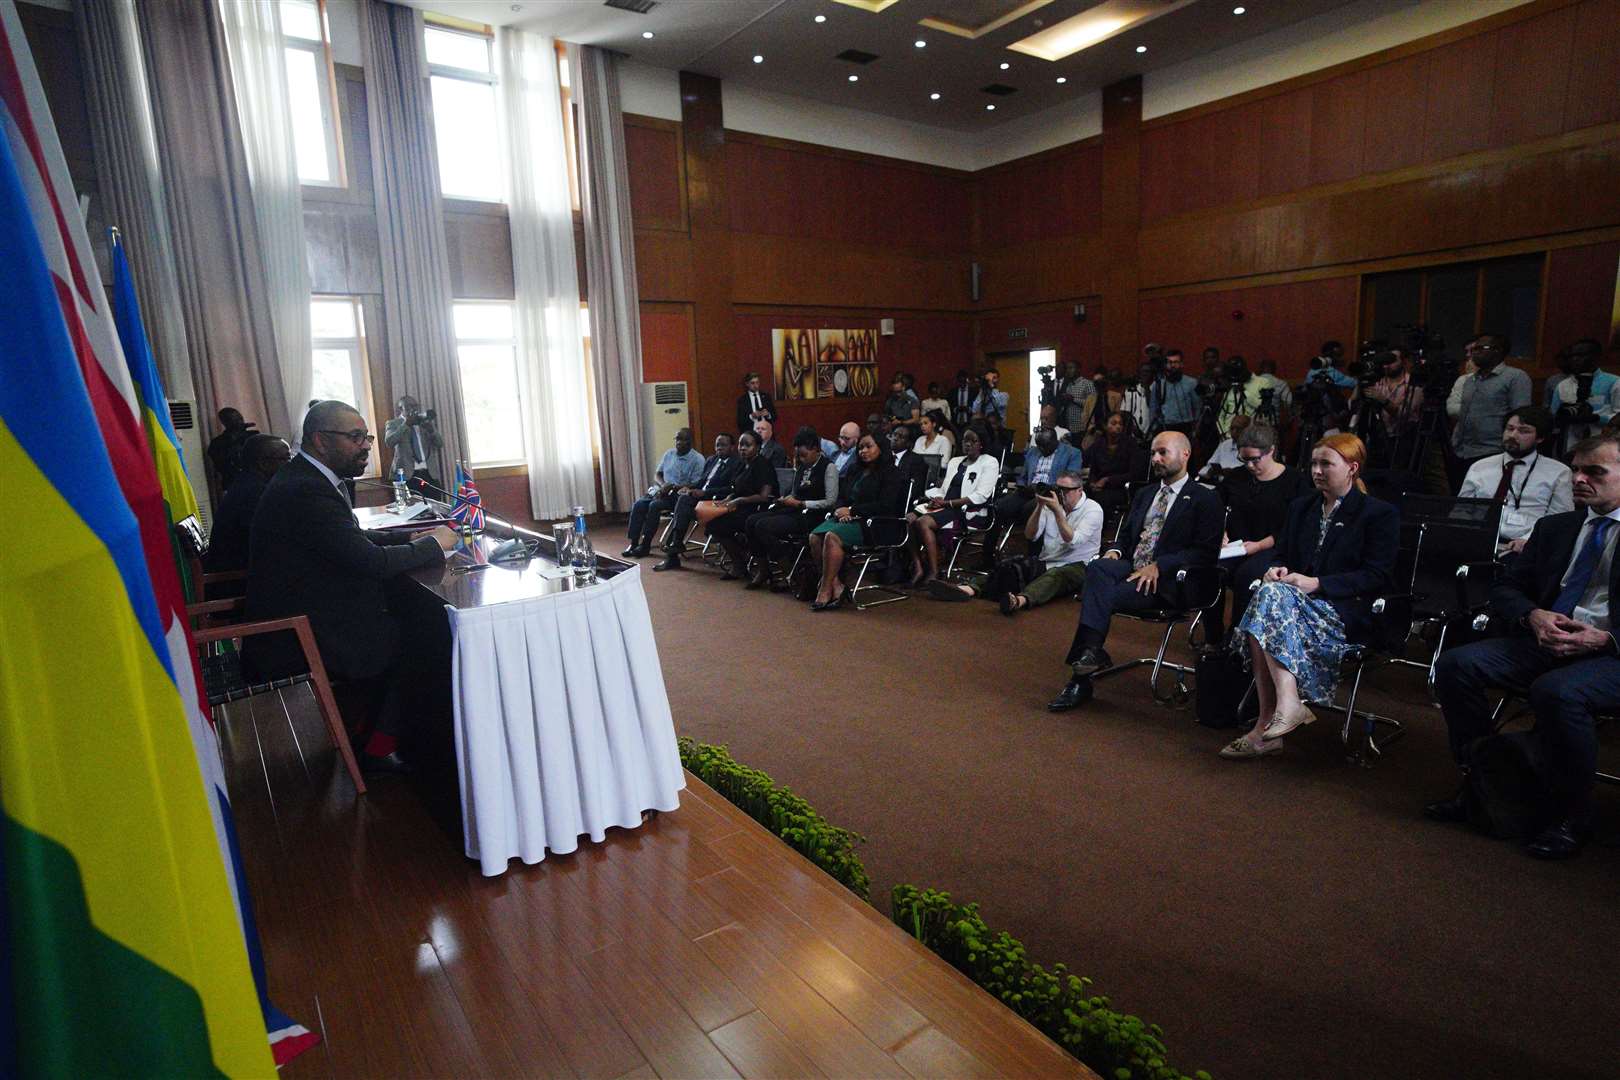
<point x="311" y="92"/>
<point x="486" y="347"/>
<point x="1458" y="301"/>
<point x="341" y="370"/>
<point x="461" y="66"/>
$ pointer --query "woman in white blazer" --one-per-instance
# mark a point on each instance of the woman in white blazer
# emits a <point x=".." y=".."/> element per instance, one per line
<point x="961" y="501"/>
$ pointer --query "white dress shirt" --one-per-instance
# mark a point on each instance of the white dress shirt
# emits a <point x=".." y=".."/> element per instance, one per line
<point x="328" y="473"/>
<point x="978" y="485"/>
<point x="1175" y="493"/>
<point x="1085" y="527"/>
<point x="1593" y="608"/>
<point x="1539" y="487"/>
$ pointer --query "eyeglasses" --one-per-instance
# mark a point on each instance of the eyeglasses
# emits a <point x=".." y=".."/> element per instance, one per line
<point x="1065" y="487"/>
<point x="1255" y="460"/>
<point x="359" y="436"/>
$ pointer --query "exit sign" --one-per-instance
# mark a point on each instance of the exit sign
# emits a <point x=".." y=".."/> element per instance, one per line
<point x="1018" y="332"/>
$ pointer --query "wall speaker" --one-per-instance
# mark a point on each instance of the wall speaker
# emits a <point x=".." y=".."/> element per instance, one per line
<point x="974" y="282"/>
<point x="886" y="327"/>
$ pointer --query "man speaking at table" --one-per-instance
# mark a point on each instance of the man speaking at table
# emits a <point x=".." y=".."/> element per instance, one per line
<point x="379" y="635"/>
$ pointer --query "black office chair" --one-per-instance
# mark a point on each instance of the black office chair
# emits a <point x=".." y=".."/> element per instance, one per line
<point x="1202" y="585"/>
<point x="884" y="536"/>
<point x="1457" y="540"/>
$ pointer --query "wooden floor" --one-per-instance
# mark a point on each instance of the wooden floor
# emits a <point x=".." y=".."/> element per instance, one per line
<point x="697" y="945"/>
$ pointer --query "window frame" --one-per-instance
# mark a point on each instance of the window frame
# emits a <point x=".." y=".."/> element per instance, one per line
<point x="489" y="78"/>
<point x="359" y="367"/>
<point x="331" y="117"/>
<point x="509" y="342"/>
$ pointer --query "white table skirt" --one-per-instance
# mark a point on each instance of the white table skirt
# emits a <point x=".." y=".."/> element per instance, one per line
<point x="562" y="722"/>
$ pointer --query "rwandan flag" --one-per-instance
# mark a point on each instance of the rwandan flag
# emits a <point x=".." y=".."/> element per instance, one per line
<point x="82" y="313"/>
<point x="469" y="508"/>
<point x="122" y="948"/>
<point x="178" y="494"/>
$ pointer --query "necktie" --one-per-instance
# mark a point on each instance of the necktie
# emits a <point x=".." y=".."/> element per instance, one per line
<point x="1151" y="530"/>
<point x="1507" y="478"/>
<point x="1580" y="574"/>
<point x="754" y="397"/>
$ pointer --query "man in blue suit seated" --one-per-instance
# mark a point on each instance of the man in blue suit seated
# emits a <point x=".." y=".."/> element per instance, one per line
<point x="1555" y="596"/>
<point x="1174" y="524"/>
<point x="1044" y="457"/>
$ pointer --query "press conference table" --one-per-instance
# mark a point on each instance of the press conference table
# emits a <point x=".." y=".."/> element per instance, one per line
<point x="562" y="722"/>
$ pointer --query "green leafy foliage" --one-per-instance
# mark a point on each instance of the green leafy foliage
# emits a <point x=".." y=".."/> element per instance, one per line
<point x="779" y="810"/>
<point x="1057" y="1003"/>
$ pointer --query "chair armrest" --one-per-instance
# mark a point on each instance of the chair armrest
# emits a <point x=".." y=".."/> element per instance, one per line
<point x="1202" y="583"/>
<point x="212" y="576"/>
<point x="249" y="629"/>
<point x="1470" y="570"/>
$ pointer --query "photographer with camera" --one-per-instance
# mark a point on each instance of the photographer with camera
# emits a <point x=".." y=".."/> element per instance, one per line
<point x="1330" y="360"/>
<point x="990" y="407"/>
<point x="413" y="436"/>
<point x="1585" y="399"/>
<point x="1399" y="400"/>
<point x="1044" y="458"/>
<point x="1480" y="403"/>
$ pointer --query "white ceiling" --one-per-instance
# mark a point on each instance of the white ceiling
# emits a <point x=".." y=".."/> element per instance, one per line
<point x="720" y="38"/>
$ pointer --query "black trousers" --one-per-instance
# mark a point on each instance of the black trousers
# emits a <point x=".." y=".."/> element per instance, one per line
<point x="645" y="513"/>
<point x="681" y="518"/>
<point x="766" y="530"/>
<point x="1244" y="571"/>
<point x="1565" y="695"/>
<point x="1106" y="592"/>
<point x="411" y="699"/>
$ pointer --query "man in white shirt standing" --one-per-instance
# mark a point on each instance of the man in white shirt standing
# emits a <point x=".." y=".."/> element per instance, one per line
<point x="1068" y="527"/>
<point x="1529" y="484"/>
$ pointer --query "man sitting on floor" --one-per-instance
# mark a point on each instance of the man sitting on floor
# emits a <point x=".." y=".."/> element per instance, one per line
<point x="1067" y="528"/>
<point x="1564" y="654"/>
<point x="1173" y="524"/>
<point x="259" y="457"/>
<point x="310" y="557"/>
<point x="680" y="467"/>
<point x="719" y="473"/>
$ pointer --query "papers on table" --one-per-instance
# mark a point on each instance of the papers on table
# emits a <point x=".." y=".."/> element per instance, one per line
<point x="1234" y="550"/>
<point x="394" y="516"/>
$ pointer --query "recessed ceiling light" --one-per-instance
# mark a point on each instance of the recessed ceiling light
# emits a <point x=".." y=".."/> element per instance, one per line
<point x="934" y="96"/>
<point x="1141" y="48"/>
<point x="989" y="108"/>
<point x="517" y="7"/>
<point x="1062" y="79"/>
<point x="854" y="78"/>
<point x="1239" y="10"/>
<point x="1005" y="65"/>
<point x="646" y="33"/>
<point x="821" y="18"/>
<point x="920" y="43"/>
<point x="758" y="59"/>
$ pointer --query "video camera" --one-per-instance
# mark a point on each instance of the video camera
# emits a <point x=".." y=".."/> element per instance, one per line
<point x="422" y="415"/>
<point x="1048" y="385"/>
<point x="1373" y="361"/>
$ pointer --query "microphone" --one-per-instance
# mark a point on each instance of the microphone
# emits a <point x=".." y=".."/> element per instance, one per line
<point x="422" y="487"/>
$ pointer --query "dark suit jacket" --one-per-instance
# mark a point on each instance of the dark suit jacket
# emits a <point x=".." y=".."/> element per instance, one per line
<point x="879" y="493"/>
<point x="1124" y="463"/>
<point x="913" y="470"/>
<point x="746" y="422"/>
<point x="307" y="556"/>
<point x="1534" y="579"/>
<point x="1356" y="563"/>
<point x="233" y="518"/>
<point x="1192" y="529"/>
<point x="722" y="481"/>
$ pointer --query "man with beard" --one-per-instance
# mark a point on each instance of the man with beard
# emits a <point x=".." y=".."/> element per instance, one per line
<point x="377" y="633"/>
<point x="1529" y="484"/>
<point x="1174" y="524"/>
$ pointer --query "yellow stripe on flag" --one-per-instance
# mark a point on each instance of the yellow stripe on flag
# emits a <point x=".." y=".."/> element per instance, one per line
<point x="96" y="756"/>
<point x="171" y="471"/>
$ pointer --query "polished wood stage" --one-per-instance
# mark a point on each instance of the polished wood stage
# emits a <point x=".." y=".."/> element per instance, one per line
<point x="695" y="946"/>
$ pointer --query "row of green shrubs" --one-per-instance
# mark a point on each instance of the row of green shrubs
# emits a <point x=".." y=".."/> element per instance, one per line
<point x="1056" y="1003"/>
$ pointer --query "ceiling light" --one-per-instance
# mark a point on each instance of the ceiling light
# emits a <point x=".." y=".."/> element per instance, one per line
<point x="854" y="78"/>
<point x="1092" y="26"/>
<point x="920" y="43"/>
<point x="1005" y="65"/>
<point x="934" y="96"/>
<point x="646" y="33"/>
<point x="1239" y="10"/>
<point x="989" y="108"/>
<point x="821" y="18"/>
<point x="1141" y="48"/>
<point x="758" y="59"/>
<point x="1062" y="79"/>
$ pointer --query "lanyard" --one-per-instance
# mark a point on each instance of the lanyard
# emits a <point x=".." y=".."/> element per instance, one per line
<point x="1519" y="497"/>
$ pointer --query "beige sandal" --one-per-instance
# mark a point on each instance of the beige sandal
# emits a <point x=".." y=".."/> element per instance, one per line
<point x="1281" y="725"/>
<point x="1241" y="749"/>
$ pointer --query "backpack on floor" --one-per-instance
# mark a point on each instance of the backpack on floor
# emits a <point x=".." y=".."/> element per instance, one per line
<point x="1011" y="575"/>
<point x="1507" y="789"/>
<point x="1224" y="698"/>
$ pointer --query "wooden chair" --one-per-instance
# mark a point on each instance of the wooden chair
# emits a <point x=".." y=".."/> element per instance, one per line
<point x="225" y="681"/>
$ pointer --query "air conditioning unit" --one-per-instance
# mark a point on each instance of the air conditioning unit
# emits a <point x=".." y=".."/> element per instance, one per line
<point x="183" y="415"/>
<point x="663" y="413"/>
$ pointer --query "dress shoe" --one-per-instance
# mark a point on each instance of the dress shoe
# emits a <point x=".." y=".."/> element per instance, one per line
<point x="1452" y="810"/>
<point x="1091" y="661"/>
<point x="1281" y="725"/>
<point x="1560" y="841"/>
<point x="1075" y="694"/>
<point x="635" y="551"/>
<point x="671" y="561"/>
<point x="384" y="765"/>
<point x="760" y="579"/>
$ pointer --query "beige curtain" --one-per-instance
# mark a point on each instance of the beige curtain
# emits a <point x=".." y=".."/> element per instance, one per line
<point x="610" y="268"/>
<point x="410" y="223"/>
<point x="218" y="269"/>
<point x="128" y="177"/>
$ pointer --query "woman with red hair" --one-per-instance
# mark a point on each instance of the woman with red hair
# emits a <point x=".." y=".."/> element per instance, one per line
<point x="1335" y="553"/>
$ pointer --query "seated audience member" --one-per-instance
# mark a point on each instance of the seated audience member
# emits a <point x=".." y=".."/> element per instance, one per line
<point x="260" y="457"/>
<point x="815" y="491"/>
<point x="1529" y="484"/>
<point x="1335" y="554"/>
<point x="1258" y="502"/>
<point x="308" y="556"/>
<point x="844" y="460"/>
<point x="680" y="467"/>
<point x="877" y="428"/>
<point x="878" y="490"/>
<point x="1601" y="404"/>
<point x="1116" y="460"/>
<point x="935" y="400"/>
<point x="1174" y="524"/>
<point x="962" y="500"/>
<point x="719" y="473"/>
<point x="769" y="448"/>
<point x="1049" y="418"/>
<point x="1226" y="458"/>
<point x="1067" y="528"/>
<point x="902" y="406"/>
<point x="1044" y="457"/>
<point x="752" y="489"/>
<point x="935" y="439"/>
<point x="1562" y="651"/>
<point x="829" y="447"/>
<point x="913" y="468"/>
<point x="754" y="404"/>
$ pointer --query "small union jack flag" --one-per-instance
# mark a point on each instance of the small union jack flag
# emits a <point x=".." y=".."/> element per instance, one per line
<point x="469" y="508"/>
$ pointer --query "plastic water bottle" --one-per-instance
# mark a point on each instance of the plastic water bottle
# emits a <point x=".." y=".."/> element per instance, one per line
<point x="582" y="553"/>
<point x="402" y="493"/>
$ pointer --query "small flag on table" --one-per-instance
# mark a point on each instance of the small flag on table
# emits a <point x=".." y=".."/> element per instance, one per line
<point x="469" y="508"/>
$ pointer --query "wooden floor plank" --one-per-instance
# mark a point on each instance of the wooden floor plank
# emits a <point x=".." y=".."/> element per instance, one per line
<point x="1004" y="1041"/>
<point x="931" y="1052"/>
<point x="760" y="1050"/>
<point x="667" y="1037"/>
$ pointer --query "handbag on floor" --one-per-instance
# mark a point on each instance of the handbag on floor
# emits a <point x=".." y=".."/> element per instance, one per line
<point x="1224" y="696"/>
<point x="1506" y="787"/>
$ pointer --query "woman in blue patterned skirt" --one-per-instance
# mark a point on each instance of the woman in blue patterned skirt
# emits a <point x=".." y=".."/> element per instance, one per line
<point x="1335" y="554"/>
